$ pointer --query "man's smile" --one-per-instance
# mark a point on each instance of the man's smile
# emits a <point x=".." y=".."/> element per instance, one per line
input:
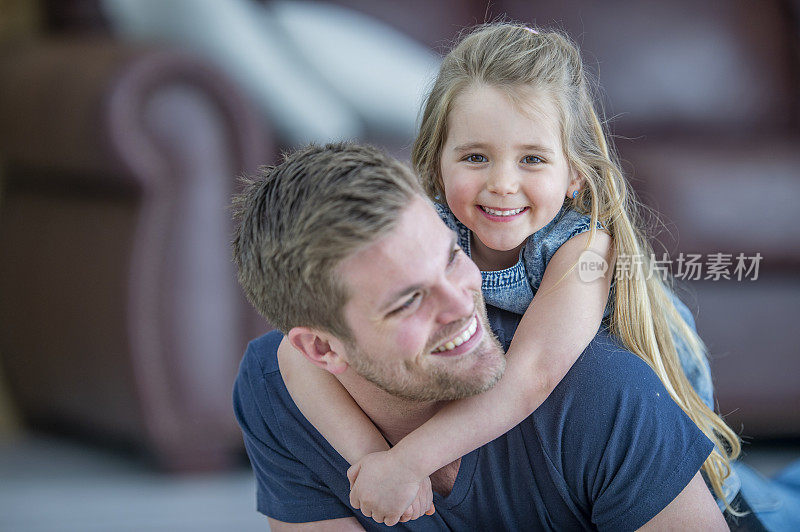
<point x="465" y="338"/>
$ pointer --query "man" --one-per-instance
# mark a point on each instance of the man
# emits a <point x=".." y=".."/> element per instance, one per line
<point x="330" y="244"/>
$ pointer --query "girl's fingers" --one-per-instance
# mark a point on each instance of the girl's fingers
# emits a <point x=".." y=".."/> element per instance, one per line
<point x="416" y="507"/>
<point x="391" y="521"/>
<point x="431" y="510"/>
<point x="407" y="515"/>
<point x="405" y="518"/>
<point x="352" y="473"/>
<point x="428" y="501"/>
<point x="426" y="498"/>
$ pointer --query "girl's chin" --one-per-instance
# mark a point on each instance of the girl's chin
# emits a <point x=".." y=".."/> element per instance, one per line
<point x="500" y="245"/>
<point x="496" y="254"/>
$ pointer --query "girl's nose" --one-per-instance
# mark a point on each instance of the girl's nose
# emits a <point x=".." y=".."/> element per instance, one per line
<point x="502" y="181"/>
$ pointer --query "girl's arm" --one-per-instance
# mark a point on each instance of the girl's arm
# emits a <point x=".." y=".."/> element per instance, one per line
<point x="561" y="321"/>
<point x="317" y="393"/>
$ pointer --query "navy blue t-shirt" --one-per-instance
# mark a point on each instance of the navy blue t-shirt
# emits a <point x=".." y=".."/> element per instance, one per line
<point x="608" y="449"/>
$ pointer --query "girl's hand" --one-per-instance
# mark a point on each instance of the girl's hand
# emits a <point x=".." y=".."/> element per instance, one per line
<point x="387" y="490"/>
<point x="423" y="500"/>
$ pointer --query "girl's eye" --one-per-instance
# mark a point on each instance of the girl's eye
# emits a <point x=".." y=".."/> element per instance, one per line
<point x="532" y="159"/>
<point x="475" y="158"/>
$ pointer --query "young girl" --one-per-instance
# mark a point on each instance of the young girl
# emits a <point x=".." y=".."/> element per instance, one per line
<point x="511" y="141"/>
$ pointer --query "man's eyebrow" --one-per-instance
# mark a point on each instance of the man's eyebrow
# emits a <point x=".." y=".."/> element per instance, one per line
<point x="408" y="290"/>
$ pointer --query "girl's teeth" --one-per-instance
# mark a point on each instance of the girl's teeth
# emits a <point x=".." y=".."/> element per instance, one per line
<point x="494" y="212"/>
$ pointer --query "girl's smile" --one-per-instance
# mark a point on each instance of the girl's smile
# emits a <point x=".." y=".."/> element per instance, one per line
<point x="502" y="215"/>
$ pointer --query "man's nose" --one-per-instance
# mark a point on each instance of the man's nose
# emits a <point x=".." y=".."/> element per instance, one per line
<point x="502" y="180"/>
<point x="458" y="295"/>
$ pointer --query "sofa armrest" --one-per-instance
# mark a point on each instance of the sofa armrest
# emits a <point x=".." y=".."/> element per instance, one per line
<point x="120" y="312"/>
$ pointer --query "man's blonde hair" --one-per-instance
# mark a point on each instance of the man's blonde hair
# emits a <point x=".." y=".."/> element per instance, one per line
<point x="522" y="61"/>
<point x="298" y="220"/>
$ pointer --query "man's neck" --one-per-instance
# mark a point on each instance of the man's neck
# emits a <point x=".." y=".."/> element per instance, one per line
<point x="396" y="417"/>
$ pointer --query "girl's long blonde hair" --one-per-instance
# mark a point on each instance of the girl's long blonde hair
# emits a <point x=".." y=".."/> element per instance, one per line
<point x="515" y="57"/>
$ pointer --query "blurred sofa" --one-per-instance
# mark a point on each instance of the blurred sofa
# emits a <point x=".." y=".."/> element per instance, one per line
<point x="120" y="316"/>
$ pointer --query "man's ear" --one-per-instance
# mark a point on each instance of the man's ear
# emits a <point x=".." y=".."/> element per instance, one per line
<point x="320" y="348"/>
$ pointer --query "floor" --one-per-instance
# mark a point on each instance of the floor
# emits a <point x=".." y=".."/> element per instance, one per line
<point x="54" y="485"/>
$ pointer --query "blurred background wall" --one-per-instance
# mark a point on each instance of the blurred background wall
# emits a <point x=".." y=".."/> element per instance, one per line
<point x="124" y="123"/>
<point x="19" y="20"/>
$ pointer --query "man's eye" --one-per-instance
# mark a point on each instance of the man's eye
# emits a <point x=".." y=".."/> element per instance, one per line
<point x="454" y="254"/>
<point x="475" y="158"/>
<point x="408" y="303"/>
<point x="532" y="159"/>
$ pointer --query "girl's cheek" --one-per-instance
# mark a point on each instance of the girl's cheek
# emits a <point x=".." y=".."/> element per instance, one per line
<point x="458" y="198"/>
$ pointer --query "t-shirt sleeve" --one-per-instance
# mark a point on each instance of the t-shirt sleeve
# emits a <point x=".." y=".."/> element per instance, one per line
<point x="286" y="489"/>
<point x="628" y="450"/>
<point x="633" y="487"/>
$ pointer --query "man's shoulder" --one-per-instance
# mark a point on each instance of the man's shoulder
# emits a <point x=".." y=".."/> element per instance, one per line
<point x="608" y="395"/>
<point x="299" y="476"/>
<point x="610" y="429"/>
<point x="608" y="365"/>
<point x="606" y="383"/>
<point x="263" y="403"/>
<point x="258" y="401"/>
<point x="261" y="355"/>
<point x="605" y="370"/>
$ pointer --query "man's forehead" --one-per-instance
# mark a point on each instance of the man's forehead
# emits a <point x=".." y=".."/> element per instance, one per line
<point x="411" y="253"/>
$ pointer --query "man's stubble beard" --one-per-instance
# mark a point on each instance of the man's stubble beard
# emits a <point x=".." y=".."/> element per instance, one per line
<point x="437" y="382"/>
